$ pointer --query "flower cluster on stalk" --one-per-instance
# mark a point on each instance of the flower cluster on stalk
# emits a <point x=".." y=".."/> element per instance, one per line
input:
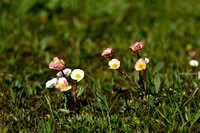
<point x="60" y="82"/>
<point x="114" y="63"/>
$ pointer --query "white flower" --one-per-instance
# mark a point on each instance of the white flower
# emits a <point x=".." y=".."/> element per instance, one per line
<point x="146" y="60"/>
<point x="51" y="83"/>
<point x="77" y="74"/>
<point x="194" y="63"/>
<point x="114" y="64"/>
<point x="140" y="64"/>
<point x="66" y="71"/>
<point x="63" y="85"/>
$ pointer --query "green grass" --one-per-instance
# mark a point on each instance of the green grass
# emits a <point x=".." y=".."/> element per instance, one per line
<point x="33" y="32"/>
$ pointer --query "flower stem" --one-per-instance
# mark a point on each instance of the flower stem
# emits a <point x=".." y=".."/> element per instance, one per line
<point x="120" y="72"/>
<point x="129" y="77"/>
<point x="75" y="93"/>
<point x="138" y="55"/>
<point x="145" y="78"/>
<point x="63" y="74"/>
<point x="195" y="91"/>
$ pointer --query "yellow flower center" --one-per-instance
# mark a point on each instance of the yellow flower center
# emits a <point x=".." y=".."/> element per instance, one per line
<point x="115" y="65"/>
<point x="141" y="66"/>
<point x="136" y="48"/>
<point x="59" y="63"/>
<point x="63" y="85"/>
<point x="77" y="76"/>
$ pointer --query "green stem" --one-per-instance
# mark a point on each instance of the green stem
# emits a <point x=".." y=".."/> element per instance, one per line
<point x="129" y="77"/>
<point x="195" y="91"/>
<point x="120" y="72"/>
<point x="63" y="74"/>
<point x="75" y="93"/>
<point x="138" y="55"/>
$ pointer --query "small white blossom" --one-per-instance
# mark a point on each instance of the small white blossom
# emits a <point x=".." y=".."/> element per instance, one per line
<point x="140" y="64"/>
<point x="194" y="63"/>
<point x="114" y="64"/>
<point x="66" y="71"/>
<point x="51" y="83"/>
<point x="77" y="74"/>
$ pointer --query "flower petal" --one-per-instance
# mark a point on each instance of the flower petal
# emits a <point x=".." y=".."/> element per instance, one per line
<point x="57" y="64"/>
<point x="107" y="53"/>
<point x="140" y="64"/>
<point x="194" y="63"/>
<point x="114" y="64"/>
<point x="51" y="83"/>
<point x="136" y="47"/>
<point x="62" y="84"/>
<point x="77" y="74"/>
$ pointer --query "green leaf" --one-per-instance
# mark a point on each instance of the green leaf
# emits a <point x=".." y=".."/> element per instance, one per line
<point x="29" y="90"/>
<point x="196" y="117"/>
<point x="157" y="82"/>
<point x="158" y="67"/>
<point x="146" y="129"/>
<point x="136" y="76"/>
<point x="64" y="111"/>
<point x="80" y="90"/>
<point x="25" y="5"/>
<point x="153" y="127"/>
<point x="36" y="85"/>
<point x="12" y="95"/>
<point x="99" y="105"/>
<point x="47" y="58"/>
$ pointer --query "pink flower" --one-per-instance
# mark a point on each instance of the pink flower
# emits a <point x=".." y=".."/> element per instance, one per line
<point x="199" y="75"/>
<point x="62" y="84"/>
<point x="136" y="47"/>
<point x="192" y="53"/>
<point x="57" y="64"/>
<point x="107" y="53"/>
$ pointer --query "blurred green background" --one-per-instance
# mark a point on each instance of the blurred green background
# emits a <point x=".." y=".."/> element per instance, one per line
<point x="32" y="32"/>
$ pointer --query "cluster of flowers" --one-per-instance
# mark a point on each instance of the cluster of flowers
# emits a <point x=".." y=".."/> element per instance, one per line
<point x="115" y="63"/>
<point x="140" y="65"/>
<point x="60" y="81"/>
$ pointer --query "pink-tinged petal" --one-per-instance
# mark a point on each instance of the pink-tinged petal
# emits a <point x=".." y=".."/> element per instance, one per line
<point x="199" y="75"/>
<point x="192" y="53"/>
<point x="56" y="67"/>
<point x="63" y="84"/>
<point x="107" y="53"/>
<point x="57" y="64"/>
<point x="136" y="47"/>
<point x="66" y="89"/>
<point x="62" y="61"/>
<point x="140" y="64"/>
